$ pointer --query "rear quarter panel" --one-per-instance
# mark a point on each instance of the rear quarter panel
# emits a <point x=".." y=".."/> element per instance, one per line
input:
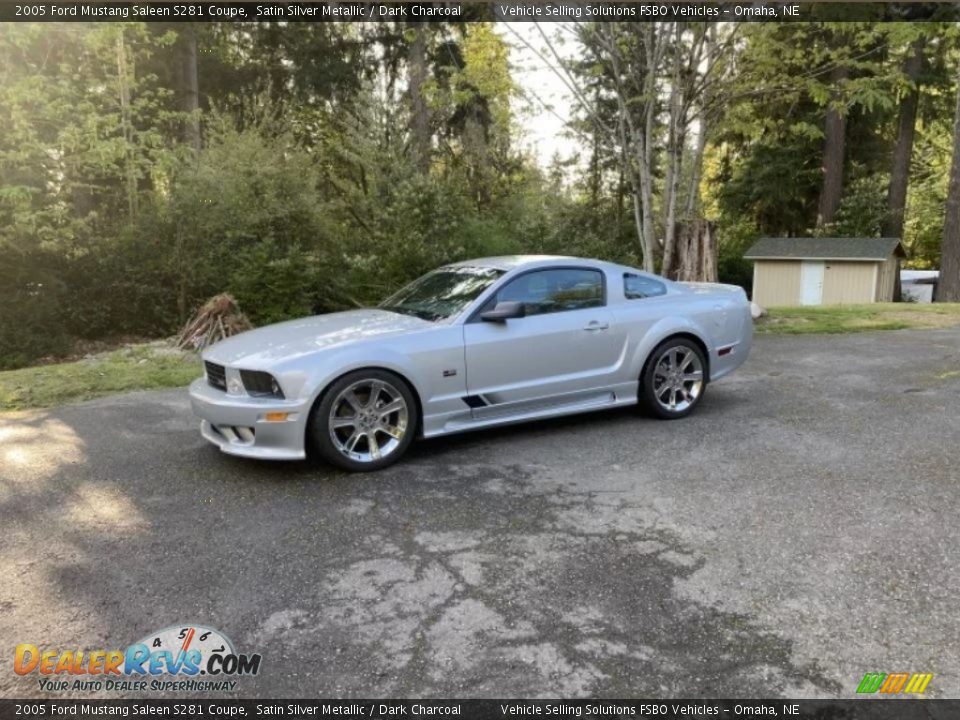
<point x="725" y="311"/>
<point x="716" y="314"/>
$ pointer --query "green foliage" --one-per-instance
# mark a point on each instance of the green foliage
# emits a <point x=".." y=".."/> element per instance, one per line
<point x="765" y="170"/>
<point x="305" y="195"/>
<point x="863" y="208"/>
<point x="927" y="194"/>
<point x="246" y="219"/>
<point x="31" y="322"/>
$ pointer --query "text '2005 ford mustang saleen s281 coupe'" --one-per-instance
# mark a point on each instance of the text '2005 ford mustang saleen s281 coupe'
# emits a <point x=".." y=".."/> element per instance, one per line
<point x="471" y="345"/>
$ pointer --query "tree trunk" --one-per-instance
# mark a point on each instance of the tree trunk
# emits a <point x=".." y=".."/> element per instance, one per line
<point x="644" y="140"/>
<point x="595" y="159"/>
<point x="693" y="229"/>
<point x="628" y="167"/>
<point x="694" y="251"/>
<point x="691" y="268"/>
<point x="675" y="143"/>
<point x="419" y="111"/>
<point x="903" y="151"/>
<point x="646" y="206"/>
<point x="126" y="125"/>
<point x="708" y="253"/>
<point x="189" y="90"/>
<point x="834" y="131"/>
<point x="693" y="196"/>
<point x="948" y="288"/>
<point x="633" y="162"/>
<point x="181" y="263"/>
<point x="637" y="132"/>
<point x="688" y="252"/>
<point x="698" y="252"/>
<point x="676" y="137"/>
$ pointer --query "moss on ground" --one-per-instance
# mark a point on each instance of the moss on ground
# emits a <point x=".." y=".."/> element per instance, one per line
<point x="135" y="367"/>
<point x="857" y="318"/>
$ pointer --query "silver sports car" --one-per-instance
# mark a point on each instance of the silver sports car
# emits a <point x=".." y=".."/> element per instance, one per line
<point x="470" y="345"/>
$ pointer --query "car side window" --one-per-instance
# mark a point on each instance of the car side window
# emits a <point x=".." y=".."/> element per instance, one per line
<point x="557" y="290"/>
<point x="636" y="287"/>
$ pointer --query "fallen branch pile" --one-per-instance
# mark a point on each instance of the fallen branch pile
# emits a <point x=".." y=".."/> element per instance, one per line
<point x="219" y="318"/>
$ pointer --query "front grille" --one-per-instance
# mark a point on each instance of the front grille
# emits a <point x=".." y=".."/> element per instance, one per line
<point x="259" y="384"/>
<point x="216" y="375"/>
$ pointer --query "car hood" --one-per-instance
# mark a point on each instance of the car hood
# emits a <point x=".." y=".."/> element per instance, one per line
<point x="264" y="347"/>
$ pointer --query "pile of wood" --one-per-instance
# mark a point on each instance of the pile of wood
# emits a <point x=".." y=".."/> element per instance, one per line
<point x="219" y="318"/>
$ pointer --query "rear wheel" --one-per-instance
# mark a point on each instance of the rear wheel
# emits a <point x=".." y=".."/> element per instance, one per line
<point x="674" y="379"/>
<point x="365" y="421"/>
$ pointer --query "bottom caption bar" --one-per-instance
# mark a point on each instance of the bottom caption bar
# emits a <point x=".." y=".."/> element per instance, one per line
<point x="505" y="709"/>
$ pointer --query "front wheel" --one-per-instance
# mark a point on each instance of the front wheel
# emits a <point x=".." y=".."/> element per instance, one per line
<point x="365" y="421"/>
<point x="674" y="379"/>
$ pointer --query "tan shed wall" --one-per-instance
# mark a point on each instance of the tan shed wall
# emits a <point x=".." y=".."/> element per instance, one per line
<point x="776" y="283"/>
<point x="849" y="283"/>
<point x="887" y="276"/>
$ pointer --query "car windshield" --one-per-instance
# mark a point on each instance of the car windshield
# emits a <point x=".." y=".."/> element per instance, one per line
<point x="442" y="293"/>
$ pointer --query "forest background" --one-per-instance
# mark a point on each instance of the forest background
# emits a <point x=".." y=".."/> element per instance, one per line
<point x="314" y="167"/>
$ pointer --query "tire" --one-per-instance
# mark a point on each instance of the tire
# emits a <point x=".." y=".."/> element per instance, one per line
<point x="674" y="379"/>
<point x="348" y="427"/>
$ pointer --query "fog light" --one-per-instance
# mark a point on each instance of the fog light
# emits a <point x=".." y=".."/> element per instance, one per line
<point x="275" y="416"/>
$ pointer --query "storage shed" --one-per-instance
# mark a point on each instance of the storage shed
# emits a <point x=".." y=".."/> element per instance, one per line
<point x="824" y="271"/>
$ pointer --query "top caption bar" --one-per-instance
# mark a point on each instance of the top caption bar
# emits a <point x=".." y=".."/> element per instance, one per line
<point x="504" y="11"/>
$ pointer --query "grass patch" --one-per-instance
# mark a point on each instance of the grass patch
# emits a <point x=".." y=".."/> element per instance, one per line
<point x="136" y="367"/>
<point x="857" y="318"/>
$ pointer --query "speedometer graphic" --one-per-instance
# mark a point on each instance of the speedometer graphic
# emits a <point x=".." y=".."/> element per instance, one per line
<point x="184" y="638"/>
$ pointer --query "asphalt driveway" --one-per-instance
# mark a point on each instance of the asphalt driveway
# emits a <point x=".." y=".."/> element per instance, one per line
<point x="798" y="531"/>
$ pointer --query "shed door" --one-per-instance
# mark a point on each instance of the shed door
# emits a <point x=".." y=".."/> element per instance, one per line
<point x="811" y="282"/>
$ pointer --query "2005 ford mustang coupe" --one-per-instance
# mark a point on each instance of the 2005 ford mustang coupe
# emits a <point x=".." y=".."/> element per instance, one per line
<point x="470" y="345"/>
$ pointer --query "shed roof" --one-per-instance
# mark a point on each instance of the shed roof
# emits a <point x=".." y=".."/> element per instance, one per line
<point x="797" y="248"/>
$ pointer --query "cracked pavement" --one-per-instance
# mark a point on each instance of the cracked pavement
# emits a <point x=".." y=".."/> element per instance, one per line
<point x="798" y="531"/>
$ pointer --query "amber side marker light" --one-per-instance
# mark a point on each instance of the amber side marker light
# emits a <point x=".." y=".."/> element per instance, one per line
<point x="275" y="416"/>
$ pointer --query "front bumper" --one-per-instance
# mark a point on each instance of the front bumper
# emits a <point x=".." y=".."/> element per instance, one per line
<point x="238" y="425"/>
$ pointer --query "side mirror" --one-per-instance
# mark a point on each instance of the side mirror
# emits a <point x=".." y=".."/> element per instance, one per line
<point x="507" y="310"/>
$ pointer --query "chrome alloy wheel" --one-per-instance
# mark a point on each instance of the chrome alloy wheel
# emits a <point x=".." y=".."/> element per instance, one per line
<point x="368" y="420"/>
<point x="677" y="378"/>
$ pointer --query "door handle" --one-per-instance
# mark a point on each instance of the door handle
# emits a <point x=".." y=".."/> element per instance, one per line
<point x="595" y="325"/>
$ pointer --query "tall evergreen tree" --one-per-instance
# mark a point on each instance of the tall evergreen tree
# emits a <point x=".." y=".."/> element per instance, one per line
<point x="948" y="288"/>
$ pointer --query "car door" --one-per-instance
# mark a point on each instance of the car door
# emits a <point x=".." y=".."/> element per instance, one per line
<point x="565" y="348"/>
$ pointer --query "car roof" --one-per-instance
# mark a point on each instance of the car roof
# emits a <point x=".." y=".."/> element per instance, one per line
<point x="512" y="262"/>
<point x="509" y="263"/>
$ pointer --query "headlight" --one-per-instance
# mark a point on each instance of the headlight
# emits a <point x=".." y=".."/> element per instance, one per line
<point x="261" y="384"/>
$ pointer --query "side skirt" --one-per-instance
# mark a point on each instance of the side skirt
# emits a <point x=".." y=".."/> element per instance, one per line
<point x="623" y="397"/>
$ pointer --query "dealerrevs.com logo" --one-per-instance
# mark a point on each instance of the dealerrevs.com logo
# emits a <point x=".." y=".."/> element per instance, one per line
<point x="187" y="658"/>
